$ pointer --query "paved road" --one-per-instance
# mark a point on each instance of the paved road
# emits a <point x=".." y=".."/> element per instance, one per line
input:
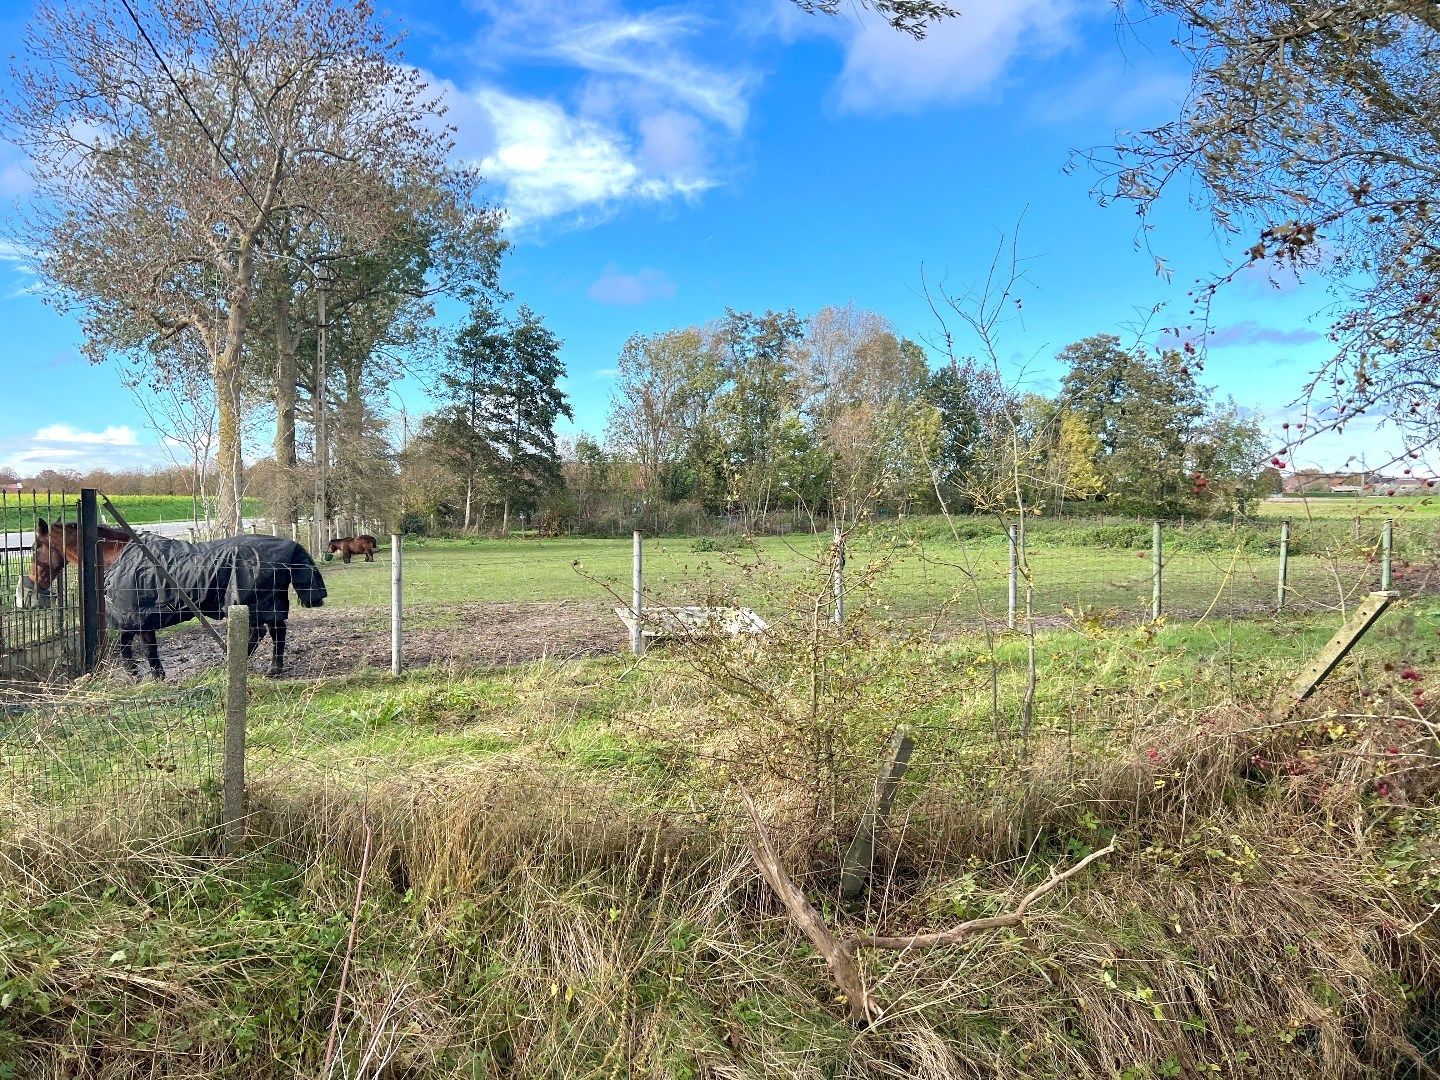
<point x="178" y="529"/>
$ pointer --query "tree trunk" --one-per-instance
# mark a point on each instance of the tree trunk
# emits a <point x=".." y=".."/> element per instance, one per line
<point x="505" y="518"/>
<point x="286" y="377"/>
<point x="469" y="489"/>
<point x="229" y="466"/>
<point x="230" y="471"/>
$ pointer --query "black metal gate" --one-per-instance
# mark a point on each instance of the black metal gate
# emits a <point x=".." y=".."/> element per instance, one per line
<point x="56" y="635"/>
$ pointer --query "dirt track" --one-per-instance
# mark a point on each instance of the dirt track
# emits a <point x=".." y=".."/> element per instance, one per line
<point x="338" y="641"/>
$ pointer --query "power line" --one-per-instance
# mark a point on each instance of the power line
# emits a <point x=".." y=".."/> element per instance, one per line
<point x="205" y="128"/>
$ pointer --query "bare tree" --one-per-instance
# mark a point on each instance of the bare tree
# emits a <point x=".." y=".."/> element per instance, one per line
<point x="181" y="409"/>
<point x="1311" y="127"/>
<point x="167" y="148"/>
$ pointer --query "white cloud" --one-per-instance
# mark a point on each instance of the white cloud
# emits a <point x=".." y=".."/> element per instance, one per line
<point x="1114" y="95"/>
<point x="65" y="433"/>
<point x="65" y="448"/>
<point x="644" y="48"/>
<point x="672" y="142"/>
<point x="607" y="373"/>
<point x="636" y="114"/>
<point x="552" y="163"/>
<point x="959" y="58"/>
<point x="16" y="254"/>
<point x="613" y="287"/>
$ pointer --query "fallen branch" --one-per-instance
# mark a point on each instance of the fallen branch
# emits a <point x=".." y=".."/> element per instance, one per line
<point x="991" y="922"/>
<point x="842" y="955"/>
<point x="844" y="963"/>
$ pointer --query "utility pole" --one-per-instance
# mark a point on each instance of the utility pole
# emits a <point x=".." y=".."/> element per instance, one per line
<point x="322" y="446"/>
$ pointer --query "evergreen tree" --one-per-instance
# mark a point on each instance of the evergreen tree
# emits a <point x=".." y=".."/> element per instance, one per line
<point x="500" y="381"/>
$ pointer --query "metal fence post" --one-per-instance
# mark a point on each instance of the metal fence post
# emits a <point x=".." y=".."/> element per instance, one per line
<point x="396" y="610"/>
<point x="1014" y="590"/>
<point x="637" y="599"/>
<point x="1158" y="560"/>
<point x="837" y="577"/>
<point x="1387" y="551"/>
<point x="1284" y="566"/>
<point x="91" y="631"/>
<point x="237" y="666"/>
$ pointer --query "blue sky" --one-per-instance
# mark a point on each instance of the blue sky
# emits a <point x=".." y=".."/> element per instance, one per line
<point x="660" y="163"/>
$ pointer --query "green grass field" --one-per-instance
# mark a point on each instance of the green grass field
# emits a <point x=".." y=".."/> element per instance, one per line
<point x="1348" y="507"/>
<point x="544" y="871"/>
<point x="937" y="578"/>
<point x="19" y="512"/>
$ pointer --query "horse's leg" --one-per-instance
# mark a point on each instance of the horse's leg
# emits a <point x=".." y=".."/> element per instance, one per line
<point x="257" y="631"/>
<point x="346" y="556"/>
<point x="369" y="554"/>
<point x="277" y="659"/>
<point x="152" y="653"/>
<point x="127" y="652"/>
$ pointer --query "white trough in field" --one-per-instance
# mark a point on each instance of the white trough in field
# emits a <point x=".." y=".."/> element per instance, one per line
<point x="659" y="623"/>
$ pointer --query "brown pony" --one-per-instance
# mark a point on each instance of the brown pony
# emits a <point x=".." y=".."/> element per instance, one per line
<point x="347" y="546"/>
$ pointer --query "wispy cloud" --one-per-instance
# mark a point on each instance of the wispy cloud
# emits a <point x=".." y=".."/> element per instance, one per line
<point x="614" y="287"/>
<point x="1250" y="332"/>
<point x="1114" y="95"/>
<point x="63" y="447"/>
<point x="65" y="433"/>
<point x="637" y="115"/>
<point x="959" y="58"/>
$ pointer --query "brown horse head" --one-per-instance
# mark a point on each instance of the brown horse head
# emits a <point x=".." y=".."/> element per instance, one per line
<point x="53" y="545"/>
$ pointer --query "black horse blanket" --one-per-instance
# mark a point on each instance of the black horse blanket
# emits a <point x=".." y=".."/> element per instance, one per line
<point x="257" y="571"/>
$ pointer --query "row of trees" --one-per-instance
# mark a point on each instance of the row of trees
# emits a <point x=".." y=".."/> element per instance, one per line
<point x="252" y="206"/>
<point x="836" y="416"/>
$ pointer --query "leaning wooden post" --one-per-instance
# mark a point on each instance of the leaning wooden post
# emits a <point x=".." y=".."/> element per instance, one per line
<point x="837" y="577"/>
<point x="1014" y="591"/>
<point x="397" y="621"/>
<point x="1158" y="560"/>
<point x="1284" y="566"/>
<point x="862" y="849"/>
<point x="1387" y="551"/>
<point x="237" y="665"/>
<point x="637" y="597"/>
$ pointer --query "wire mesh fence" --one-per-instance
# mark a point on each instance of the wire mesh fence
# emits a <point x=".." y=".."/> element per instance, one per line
<point x="39" y="636"/>
<point x="70" y="755"/>
<point x="471" y="602"/>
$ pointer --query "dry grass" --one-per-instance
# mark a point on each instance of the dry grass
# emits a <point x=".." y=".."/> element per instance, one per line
<point x="569" y="909"/>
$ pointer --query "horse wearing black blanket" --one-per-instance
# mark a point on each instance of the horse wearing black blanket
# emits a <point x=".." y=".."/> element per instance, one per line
<point x="257" y="571"/>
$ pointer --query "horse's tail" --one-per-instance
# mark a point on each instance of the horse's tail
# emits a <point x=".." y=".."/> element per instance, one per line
<point x="305" y="576"/>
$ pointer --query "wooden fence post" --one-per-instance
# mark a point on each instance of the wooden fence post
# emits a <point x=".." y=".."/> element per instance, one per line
<point x="237" y="665"/>
<point x="1387" y="552"/>
<point x="1284" y="566"/>
<point x="1356" y="536"/>
<point x="837" y="577"/>
<point x="862" y="849"/>
<point x="397" y="621"/>
<point x="1158" y="559"/>
<point x="637" y="596"/>
<point x="1013" y="595"/>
